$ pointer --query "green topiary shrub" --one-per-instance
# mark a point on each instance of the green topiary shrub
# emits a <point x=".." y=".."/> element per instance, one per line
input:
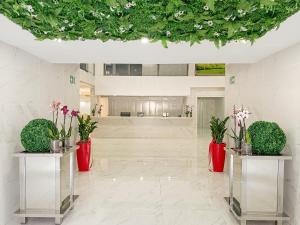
<point x="35" y="135"/>
<point x="267" y="138"/>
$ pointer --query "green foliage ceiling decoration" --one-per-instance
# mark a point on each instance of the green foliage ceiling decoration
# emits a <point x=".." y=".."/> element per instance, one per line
<point x="192" y="21"/>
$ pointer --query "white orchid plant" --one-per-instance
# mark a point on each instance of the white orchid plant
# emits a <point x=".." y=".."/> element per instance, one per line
<point x="240" y="116"/>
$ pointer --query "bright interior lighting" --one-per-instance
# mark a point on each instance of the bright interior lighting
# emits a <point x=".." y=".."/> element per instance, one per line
<point x="145" y="40"/>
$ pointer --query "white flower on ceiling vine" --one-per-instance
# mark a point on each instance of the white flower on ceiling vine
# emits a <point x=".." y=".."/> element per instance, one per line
<point x="227" y="17"/>
<point x="71" y="24"/>
<point x="168" y="33"/>
<point x="55" y="2"/>
<point x="62" y="29"/>
<point x="178" y="14"/>
<point x="66" y="21"/>
<point x="210" y="23"/>
<point x="130" y="4"/>
<point x="242" y="12"/>
<point x="216" y="34"/>
<point x="29" y="8"/>
<point x="153" y="17"/>
<point x="198" y="26"/>
<point x="98" y="31"/>
<point x="206" y="7"/>
<point x="243" y="28"/>
<point x="122" y="29"/>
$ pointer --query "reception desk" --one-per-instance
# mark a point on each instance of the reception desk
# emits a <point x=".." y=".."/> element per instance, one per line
<point x="145" y="127"/>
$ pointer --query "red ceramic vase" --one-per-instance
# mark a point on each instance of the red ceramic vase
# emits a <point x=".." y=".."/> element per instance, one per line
<point x="84" y="155"/>
<point x="218" y="156"/>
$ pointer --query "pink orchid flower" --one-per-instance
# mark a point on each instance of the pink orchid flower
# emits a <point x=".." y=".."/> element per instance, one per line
<point x="74" y="113"/>
<point x="65" y="110"/>
<point x="54" y="106"/>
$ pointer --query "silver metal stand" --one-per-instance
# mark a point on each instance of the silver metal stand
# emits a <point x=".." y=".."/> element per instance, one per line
<point x="46" y="184"/>
<point x="256" y="186"/>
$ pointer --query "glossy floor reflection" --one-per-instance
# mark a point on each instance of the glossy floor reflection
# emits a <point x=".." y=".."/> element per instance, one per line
<point x="149" y="182"/>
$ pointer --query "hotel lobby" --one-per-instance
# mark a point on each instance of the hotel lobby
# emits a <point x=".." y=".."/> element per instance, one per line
<point x="178" y="112"/>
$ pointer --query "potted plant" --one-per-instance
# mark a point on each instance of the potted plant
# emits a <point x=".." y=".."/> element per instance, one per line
<point x="217" y="146"/>
<point x="55" y="142"/>
<point x="86" y="127"/>
<point x="240" y="116"/>
<point x="64" y="134"/>
<point x="267" y="138"/>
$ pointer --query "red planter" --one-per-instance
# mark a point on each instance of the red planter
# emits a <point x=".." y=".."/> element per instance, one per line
<point x="84" y="155"/>
<point x="218" y="156"/>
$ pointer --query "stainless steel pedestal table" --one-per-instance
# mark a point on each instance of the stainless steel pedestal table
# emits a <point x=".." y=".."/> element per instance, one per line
<point x="256" y="186"/>
<point x="46" y="184"/>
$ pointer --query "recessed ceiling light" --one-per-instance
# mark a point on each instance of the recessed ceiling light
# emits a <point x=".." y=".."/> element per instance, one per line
<point x="145" y="40"/>
<point x="243" y="41"/>
<point x="58" y="40"/>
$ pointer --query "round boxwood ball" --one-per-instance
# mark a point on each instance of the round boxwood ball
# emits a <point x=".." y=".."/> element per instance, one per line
<point x="267" y="138"/>
<point x="35" y="135"/>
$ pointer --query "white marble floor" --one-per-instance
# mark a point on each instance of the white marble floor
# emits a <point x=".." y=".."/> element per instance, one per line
<point x="149" y="182"/>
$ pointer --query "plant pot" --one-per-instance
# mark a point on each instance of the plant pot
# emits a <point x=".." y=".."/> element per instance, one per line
<point x="84" y="155"/>
<point x="246" y="149"/>
<point x="218" y="157"/>
<point x="55" y="146"/>
<point x="67" y="143"/>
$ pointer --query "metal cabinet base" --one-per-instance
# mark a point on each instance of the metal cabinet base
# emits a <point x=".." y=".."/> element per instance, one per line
<point x="256" y="186"/>
<point x="46" y="185"/>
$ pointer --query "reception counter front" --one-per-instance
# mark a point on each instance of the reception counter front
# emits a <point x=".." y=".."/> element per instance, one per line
<point x="145" y="127"/>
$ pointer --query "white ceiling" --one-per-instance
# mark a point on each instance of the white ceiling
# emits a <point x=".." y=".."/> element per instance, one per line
<point x="135" y="52"/>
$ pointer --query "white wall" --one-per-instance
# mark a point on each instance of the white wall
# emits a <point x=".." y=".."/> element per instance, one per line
<point x="153" y="85"/>
<point x="271" y="91"/>
<point x="27" y="87"/>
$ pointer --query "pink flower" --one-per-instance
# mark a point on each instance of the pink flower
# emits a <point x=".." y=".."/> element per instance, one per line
<point x="54" y="106"/>
<point x="65" y="110"/>
<point x="74" y="113"/>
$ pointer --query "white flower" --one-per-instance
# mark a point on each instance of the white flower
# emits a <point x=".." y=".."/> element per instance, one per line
<point x="206" y="7"/>
<point x="98" y="31"/>
<point x="178" y="14"/>
<point x="240" y="11"/>
<point x="243" y="28"/>
<point x="62" y="29"/>
<point x="28" y="8"/>
<point x="168" y="33"/>
<point x="42" y="4"/>
<point x="227" y="17"/>
<point x="130" y="26"/>
<point x="66" y="21"/>
<point x="210" y="23"/>
<point x="233" y="18"/>
<point x="130" y="4"/>
<point x="198" y="26"/>
<point x="71" y="24"/>
<point x="122" y="29"/>
<point x="153" y="17"/>
<point x="217" y="34"/>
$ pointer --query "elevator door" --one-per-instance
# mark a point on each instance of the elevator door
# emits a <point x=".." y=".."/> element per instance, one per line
<point x="208" y="107"/>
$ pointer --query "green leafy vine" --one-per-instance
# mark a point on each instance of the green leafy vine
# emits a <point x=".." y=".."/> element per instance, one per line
<point x="219" y="21"/>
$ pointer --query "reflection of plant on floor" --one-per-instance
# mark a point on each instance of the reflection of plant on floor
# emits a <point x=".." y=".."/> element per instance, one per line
<point x="210" y="69"/>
